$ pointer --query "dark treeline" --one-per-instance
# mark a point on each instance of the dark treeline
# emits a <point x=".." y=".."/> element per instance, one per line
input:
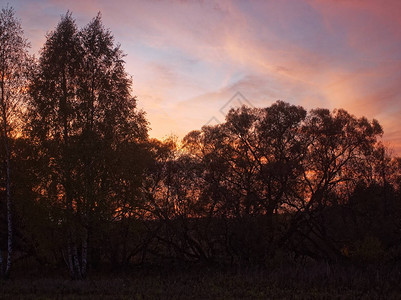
<point x="83" y="186"/>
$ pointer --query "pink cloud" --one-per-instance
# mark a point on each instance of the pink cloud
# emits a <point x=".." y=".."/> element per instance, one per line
<point x="189" y="57"/>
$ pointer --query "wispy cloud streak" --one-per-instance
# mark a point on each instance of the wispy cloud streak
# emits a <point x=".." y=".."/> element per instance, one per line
<point x="189" y="57"/>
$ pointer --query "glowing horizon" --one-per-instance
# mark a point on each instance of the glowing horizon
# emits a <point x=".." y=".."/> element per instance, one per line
<point x="189" y="58"/>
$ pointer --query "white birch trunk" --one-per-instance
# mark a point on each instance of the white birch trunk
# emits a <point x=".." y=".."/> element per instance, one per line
<point x="9" y="212"/>
<point x="84" y="253"/>
<point x="8" y="180"/>
<point x="77" y="267"/>
<point x="69" y="260"/>
<point x="1" y="263"/>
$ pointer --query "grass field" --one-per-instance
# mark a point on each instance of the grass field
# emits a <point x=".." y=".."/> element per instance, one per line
<point x="318" y="281"/>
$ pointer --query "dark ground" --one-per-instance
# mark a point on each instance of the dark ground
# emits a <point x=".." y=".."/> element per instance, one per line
<point x="312" y="281"/>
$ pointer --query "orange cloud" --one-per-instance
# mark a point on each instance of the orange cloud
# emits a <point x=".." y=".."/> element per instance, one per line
<point x="189" y="57"/>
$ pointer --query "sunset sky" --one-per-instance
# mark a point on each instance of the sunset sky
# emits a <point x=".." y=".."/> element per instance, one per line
<point x="189" y="58"/>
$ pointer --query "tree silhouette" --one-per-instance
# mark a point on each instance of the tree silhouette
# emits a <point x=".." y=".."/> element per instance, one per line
<point x="263" y="164"/>
<point x="90" y="189"/>
<point x="13" y="81"/>
<point x="82" y="114"/>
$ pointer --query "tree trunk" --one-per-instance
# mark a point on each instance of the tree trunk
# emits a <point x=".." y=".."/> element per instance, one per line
<point x="9" y="211"/>
<point x="77" y="266"/>
<point x="8" y="182"/>
<point x="69" y="260"/>
<point x="1" y="262"/>
<point x="84" y="254"/>
<point x="2" y="105"/>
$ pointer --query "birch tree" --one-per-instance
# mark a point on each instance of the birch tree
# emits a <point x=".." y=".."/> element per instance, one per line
<point x="111" y="127"/>
<point x="81" y="113"/>
<point x="53" y="124"/>
<point x="13" y="64"/>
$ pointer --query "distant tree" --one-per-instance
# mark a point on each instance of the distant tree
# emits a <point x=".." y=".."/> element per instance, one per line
<point x="14" y="63"/>
<point x="339" y="150"/>
<point x="250" y="165"/>
<point x="174" y="198"/>
<point x="274" y="170"/>
<point x="396" y="172"/>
